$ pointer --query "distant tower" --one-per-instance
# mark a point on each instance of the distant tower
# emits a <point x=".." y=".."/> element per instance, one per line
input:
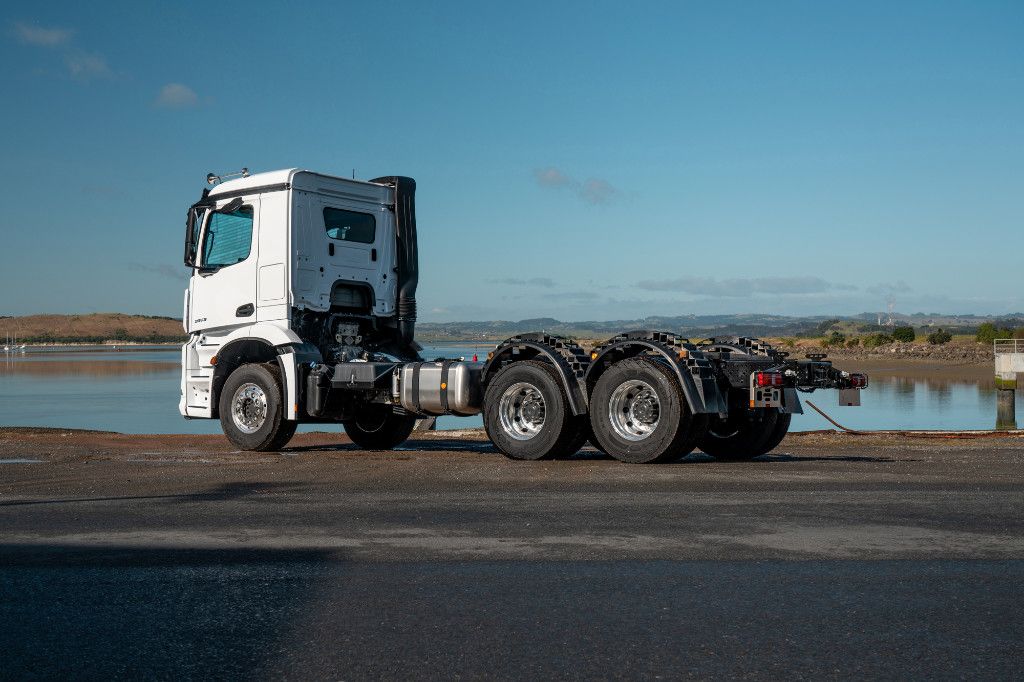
<point x="892" y="304"/>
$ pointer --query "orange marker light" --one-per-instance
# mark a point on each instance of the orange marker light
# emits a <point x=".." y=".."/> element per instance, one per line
<point x="444" y="386"/>
<point x="593" y="355"/>
<point x="213" y="360"/>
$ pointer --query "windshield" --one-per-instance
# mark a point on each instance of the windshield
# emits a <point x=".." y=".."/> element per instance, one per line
<point x="228" y="238"/>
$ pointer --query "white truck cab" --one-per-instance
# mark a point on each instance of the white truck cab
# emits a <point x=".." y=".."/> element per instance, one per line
<point x="268" y="247"/>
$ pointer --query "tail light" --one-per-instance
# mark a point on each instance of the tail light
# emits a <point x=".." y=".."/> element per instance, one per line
<point x="765" y="379"/>
<point x="859" y="380"/>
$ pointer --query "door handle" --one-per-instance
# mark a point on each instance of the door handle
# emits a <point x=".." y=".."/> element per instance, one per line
<point x="245" y="310"/>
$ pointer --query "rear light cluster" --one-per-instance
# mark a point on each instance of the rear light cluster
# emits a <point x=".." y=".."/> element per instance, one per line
<point x="859" y="380"/>
<point x="764" y="379"/>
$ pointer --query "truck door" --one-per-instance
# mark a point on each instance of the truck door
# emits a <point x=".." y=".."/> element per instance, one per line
<point x="224" y="284"/>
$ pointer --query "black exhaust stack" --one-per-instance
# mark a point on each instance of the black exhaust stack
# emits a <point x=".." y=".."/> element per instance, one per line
<point x="408" y="259"/>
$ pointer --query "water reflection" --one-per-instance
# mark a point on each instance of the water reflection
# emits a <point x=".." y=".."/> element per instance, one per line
<point x="56" y="368"/>
<point x="136" y="391"/>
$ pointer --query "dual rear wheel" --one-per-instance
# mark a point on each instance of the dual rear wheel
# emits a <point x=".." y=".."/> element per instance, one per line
<point x="637" y="413"/>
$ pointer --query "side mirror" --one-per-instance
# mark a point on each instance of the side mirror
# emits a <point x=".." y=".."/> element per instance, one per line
<point x="190" y="238"/>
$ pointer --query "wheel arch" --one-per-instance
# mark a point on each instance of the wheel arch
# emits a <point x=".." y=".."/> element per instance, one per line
<point x="234" y="354"/>
<point x="691" y="368"/>
<point x="569" y="360"/>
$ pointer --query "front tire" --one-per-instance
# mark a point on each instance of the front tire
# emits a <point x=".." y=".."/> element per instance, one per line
<point x="252" y="411"/>
<point x="639" y="414"/>
<point x="527" y="414"/>
<point x="379" y="428"/>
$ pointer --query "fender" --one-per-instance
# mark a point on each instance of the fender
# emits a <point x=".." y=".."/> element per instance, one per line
<point x="693" y="370"/>
<point x="569" y="360"/>
<point x="260" y="342"/>
<point x="295" y="361"/>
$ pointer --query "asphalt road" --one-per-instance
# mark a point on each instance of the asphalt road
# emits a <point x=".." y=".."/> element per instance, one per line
<point x="174" y="557"/>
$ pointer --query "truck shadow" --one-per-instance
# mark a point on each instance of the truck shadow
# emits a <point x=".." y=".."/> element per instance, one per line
<point x="588" y="453"/>
<point x="222" y="493"/>
<point x="785" y="457"/>
<point x="453" y="445"/>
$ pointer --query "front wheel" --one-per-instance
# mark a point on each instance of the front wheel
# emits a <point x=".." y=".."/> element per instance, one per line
<point x="252" y="411"/>
<point x="379" y="428"/>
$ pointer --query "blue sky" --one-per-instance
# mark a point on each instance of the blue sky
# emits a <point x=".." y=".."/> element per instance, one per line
<point x="592" y="160"/>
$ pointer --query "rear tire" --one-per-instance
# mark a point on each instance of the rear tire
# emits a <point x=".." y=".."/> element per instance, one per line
<point x="740" y="436"/>
<point x="252" y="410"/>
<point x="527" y="415"/>
<point x="639" y="414"/>
<point x="781" y="429"/>
<point x="379" y="428"/>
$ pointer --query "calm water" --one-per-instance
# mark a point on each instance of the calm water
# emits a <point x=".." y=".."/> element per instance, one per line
<point x="136" y="391"/>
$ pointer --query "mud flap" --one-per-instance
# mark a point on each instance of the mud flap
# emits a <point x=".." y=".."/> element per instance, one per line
<point x="791" y="402"/>
<point x="849" y="397"/>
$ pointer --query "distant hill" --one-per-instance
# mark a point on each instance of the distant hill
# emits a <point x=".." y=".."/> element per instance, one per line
<point x="101" y="327"/>
<point x="703" y="326"/>
<point x="92" y="328"/>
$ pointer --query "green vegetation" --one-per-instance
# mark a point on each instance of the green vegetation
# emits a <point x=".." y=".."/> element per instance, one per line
<point x="875" y="340"/>
<point x="989" y="332"/>
<point x="939" y="337"/>
<point x="904" y="334"/>
<point x="834" y="340"/>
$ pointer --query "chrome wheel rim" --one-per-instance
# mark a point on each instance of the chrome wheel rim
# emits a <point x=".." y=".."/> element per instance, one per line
<point x="522" y="411"/>
<point x="634" y="410"/>
<point x="249" y="408"/>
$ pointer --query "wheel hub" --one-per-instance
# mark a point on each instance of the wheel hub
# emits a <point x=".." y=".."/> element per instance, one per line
<point x="522" y="411"/>
<point x="634" y="410"/>
<point x="249" y="408"/>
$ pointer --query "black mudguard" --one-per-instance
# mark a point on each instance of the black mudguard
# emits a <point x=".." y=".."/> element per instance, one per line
<point x="569" y="359"/>
<point x="694" y="371"/>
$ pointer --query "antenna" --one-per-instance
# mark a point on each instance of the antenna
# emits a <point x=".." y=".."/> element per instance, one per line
<point x="353" y="173"/>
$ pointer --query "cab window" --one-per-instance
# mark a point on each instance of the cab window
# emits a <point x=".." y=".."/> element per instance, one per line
<point x="228" y="238"/>
<point x="349" y="226"/>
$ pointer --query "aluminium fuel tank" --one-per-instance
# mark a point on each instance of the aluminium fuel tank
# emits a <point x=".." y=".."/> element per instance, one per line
<point x="441" y="387"/>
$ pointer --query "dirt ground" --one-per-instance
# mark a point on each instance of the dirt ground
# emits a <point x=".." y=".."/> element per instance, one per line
<point x="835" y="556"/>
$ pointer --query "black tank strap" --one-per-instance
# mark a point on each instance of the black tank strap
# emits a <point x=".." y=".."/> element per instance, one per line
<point x="445" y="365"/>
<point x="416" y="385"/>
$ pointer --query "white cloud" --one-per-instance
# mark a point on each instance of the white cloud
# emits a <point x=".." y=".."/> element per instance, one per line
<point x="42" y="37"/>
<point x="551" y="177"/>
<point x="177" y="96"/>
<point x="85" y="66"/>
<point x="522" y="282"/>
<point x="742" y="286"/>
<point x="596" y="191"/>
<point x="591" y="190"/>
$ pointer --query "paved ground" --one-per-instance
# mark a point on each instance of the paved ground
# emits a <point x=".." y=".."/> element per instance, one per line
<point x="172" y="556"/>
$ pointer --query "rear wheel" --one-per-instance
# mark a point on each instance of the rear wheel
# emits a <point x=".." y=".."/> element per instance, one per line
<point x="527" y="415"/>
<point x="639" y="415"/>
<point x="379" y="428"/>
<point x="743" y="435"/>
<point x="252" y="411"/>
<point x="781" y="429"/>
